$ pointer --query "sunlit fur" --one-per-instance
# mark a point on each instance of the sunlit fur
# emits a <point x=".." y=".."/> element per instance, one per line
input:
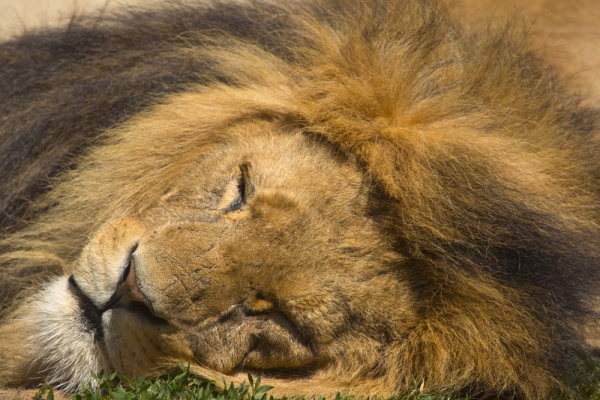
<point x="431" y="216"/>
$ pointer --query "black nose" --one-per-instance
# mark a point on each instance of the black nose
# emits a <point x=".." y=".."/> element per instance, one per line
<point x="128" y="293"/>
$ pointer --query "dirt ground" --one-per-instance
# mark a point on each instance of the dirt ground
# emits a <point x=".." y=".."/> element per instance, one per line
<point x="17" y="15"/>
<point x="26" y="394"/>
<point x="566" y="31"/>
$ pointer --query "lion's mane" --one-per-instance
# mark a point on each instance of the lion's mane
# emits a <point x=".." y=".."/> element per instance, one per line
<point x="485" y="166"/>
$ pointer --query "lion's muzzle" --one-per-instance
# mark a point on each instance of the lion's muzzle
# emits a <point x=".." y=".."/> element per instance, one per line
<point x="128" y="293"/>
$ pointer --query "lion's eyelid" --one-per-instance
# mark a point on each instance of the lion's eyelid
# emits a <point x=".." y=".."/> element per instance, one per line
<point x="244" y="186"/>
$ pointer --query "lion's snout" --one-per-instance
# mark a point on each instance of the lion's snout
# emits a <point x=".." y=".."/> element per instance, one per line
<point x="128" y="293"/>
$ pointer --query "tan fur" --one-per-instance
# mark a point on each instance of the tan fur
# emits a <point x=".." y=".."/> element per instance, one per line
<point x="392" y="189"/>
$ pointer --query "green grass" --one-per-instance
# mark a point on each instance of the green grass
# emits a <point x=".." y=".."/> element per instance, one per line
<point x="183" y="385"/>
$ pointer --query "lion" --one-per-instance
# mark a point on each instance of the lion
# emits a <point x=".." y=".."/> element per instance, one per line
<point x="340" y="196"/>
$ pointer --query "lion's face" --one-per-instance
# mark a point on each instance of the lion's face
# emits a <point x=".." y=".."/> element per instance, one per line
<point x="262" y="256"/>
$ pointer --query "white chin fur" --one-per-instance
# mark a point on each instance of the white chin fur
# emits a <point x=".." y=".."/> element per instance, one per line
<point x="63" y="349"/>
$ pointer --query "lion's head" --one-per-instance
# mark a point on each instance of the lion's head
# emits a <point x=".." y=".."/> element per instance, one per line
<point x="248" y="259"/>
<point x="340" y="196"/>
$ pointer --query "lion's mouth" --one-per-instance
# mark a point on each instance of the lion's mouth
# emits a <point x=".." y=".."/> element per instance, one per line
<point x="130" y="296"/>
<point x="127" y="295"/>
<point x="90" y="314"/>
<point x="249" y="341"/>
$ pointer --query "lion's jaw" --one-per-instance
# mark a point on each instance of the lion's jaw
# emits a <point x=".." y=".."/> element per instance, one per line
<point x="289" y="280"/>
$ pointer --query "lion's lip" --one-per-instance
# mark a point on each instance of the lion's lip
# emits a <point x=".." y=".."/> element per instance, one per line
<point x="91" y="315"/>
<point x="241" y="339"/>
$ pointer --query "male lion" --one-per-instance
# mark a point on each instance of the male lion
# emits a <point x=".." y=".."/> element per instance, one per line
<point x="342" y="195"/>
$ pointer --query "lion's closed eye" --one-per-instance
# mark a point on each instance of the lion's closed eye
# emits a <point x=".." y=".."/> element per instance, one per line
<point x="240" y="188"/>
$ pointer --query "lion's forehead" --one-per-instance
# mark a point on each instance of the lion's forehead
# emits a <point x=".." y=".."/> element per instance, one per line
<point x="292" y="163"/>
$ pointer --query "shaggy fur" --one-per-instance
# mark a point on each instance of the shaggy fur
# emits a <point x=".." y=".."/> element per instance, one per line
<point x="415" y="204"/>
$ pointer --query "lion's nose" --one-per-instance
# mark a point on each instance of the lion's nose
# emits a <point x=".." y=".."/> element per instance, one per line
<point x="128" y="291"/>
